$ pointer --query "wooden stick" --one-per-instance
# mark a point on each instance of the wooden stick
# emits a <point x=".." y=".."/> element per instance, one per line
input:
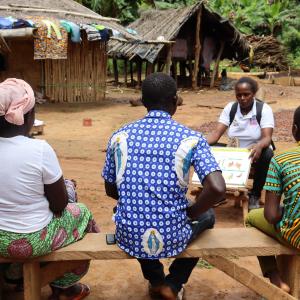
<point x="56" y="11"/>
<point x="125" y="71"/>
<point x="197" y="50"/>
<point x="116" y="73"/>
<point x="169" y="60"/>
<point x="216" y="66"/>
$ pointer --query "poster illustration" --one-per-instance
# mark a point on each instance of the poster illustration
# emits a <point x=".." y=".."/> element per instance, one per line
<point x="234" y="163"/>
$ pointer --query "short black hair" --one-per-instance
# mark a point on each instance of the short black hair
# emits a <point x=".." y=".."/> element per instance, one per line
<point x="297" y="117"/>
<point x="251" y="82"/>
<point x="158" y="89"/>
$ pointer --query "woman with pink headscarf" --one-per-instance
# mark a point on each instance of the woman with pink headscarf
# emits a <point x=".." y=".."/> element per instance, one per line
<point x="35" y="217"/>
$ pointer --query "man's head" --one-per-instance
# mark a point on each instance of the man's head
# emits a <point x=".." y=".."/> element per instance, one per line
<point x="296" y="124"/>
<point x="159" y="93"/>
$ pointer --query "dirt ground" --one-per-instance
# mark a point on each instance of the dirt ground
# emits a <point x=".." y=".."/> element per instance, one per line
<point x="81" y="151"/>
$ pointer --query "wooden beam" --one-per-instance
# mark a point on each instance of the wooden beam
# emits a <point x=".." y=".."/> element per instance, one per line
<point x="116" y="71"/>
<point x="32" y="281"/>
<point x="254" y="282"/>
<point x="169" y="60"/>
<point x="21" y="33"/>
<point x="125" y="71"/>
<point x="139" y="73"/>
<point x="216" y="66"/>
<point x="131" y="72"/>
<point x="197" y="49"/>
<point x="24" y="8"/>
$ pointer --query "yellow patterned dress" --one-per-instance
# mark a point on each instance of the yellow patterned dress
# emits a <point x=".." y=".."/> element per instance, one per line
<point x="284" y="178"/>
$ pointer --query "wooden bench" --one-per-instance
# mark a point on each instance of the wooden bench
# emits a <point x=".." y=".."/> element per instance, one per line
<point x="220" y="247"/>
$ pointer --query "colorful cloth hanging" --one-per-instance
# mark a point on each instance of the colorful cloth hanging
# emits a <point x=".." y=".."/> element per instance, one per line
<point x="50" y="39"/>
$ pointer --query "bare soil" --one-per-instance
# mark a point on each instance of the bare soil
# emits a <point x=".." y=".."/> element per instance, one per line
<point x="81" y="151"/>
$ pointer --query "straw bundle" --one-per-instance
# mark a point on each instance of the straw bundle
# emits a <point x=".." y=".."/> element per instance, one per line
<point x="268" y="53"/>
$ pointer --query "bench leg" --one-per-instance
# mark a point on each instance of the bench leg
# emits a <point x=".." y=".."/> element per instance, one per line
<point x="245" y="205"/>
<point x="289" y="267"/>
<point x="32" y="281"/>
<point x="256" y="283"/>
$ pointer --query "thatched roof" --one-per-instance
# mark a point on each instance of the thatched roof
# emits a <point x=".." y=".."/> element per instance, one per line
<point x="168" y="23"/>
<point x="61" y="9"/>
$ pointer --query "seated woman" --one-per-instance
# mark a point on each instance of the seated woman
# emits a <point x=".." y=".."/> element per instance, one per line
<point x="35" y="217"/>
<point x="281" y="222"/>
<point x="252" y="123"/>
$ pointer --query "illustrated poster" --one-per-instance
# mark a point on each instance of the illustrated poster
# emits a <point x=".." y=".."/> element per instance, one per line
<point x="234" y="163"/>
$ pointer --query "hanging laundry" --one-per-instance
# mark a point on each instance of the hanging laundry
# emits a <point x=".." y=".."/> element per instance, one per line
<point x="92" y="33"/>
<point x="73" y="29"/>
<point x="104" y="33"/>
<point x="19" y="23"/>
<point x="5" y="23"/>
<point x="50" y="39"/>
<point x="131" y="31"/>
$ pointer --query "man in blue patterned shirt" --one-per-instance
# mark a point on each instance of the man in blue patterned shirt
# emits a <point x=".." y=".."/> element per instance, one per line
<point x="147" y="170"/>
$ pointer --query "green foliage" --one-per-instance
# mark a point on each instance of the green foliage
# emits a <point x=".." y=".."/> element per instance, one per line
<point x="280" y="18"/>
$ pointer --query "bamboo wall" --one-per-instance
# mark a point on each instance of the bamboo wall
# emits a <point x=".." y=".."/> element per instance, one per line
<point x="81" y="78"/>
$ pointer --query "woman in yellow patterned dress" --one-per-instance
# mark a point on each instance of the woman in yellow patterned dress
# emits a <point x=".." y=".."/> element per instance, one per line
<point x="281" y="222"/>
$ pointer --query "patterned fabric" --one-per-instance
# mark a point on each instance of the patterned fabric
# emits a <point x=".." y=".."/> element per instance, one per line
<point x="50" y="39"/>
<point x="150" y="160"/>
<point x="284" y="178"/>
<point x="75" y="222"/>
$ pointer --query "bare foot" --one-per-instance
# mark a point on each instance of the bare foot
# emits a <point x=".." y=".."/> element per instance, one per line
<point x="167" y="293"/>
<point x="276" y="280"/>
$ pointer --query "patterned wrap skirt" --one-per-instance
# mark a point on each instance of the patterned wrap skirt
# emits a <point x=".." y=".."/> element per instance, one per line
<point x="75" y="221"/>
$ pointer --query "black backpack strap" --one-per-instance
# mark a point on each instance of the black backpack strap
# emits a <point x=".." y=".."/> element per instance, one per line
<point x="232" y="113"/>
<point x="259" y="108"/>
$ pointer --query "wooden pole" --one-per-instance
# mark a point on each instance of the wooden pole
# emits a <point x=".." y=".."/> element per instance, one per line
<point x="116" y="73"/>
<point x="175" y="70"/>
<point x="197" y="50"/>
<point x="125" y="71"/>
<point x="131" y="72"/>
<point x="169" y="60"/>
<point x="216" y="67"/>
<point x="139" y="73"/>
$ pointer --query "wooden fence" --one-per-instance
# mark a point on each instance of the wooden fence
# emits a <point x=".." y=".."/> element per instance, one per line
<point x="81" y="78"/>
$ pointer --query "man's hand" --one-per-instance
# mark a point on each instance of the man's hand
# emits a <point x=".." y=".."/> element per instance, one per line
<point x="255" y="154"/>
<point x="213" y="192"/>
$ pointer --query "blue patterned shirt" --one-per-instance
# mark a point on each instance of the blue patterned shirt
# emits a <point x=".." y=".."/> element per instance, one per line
<point x="150" y="160"/>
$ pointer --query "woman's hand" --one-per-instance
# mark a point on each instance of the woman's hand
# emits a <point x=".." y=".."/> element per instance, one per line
<point x="256" y="150"/>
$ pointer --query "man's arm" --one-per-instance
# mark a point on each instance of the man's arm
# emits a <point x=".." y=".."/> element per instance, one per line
<point x="111" y="190"/>
<point x="214" y="189"/>
<point x="273" y="211"/>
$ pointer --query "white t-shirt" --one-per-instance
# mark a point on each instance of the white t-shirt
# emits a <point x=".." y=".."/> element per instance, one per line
<point x="26" y="165"/>
<point x="246" y="128"/>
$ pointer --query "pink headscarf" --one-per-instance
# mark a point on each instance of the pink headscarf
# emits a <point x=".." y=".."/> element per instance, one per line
<point x="16" y="99"/>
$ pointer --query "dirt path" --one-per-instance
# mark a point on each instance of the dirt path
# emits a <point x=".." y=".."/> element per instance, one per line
<point x="81" y="153"/>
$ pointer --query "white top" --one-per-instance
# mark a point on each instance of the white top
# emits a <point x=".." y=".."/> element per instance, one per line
<point x="26" y="165"/>
<point x="246" y="128"/>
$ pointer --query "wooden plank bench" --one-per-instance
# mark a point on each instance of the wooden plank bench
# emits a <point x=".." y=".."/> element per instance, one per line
<point x="220" y="247"/>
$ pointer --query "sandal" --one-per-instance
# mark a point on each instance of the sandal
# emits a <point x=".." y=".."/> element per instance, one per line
<point x="60" y="295"/>
<point x="85" y="291"/>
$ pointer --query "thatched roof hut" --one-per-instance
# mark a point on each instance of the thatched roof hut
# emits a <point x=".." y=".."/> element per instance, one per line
<point x="79" y="78"/>
<point x="178" y="27"/>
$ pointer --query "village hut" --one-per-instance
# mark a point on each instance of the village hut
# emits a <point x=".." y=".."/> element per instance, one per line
<point x="191" y="37"/>
<point x="78" y="74"/>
